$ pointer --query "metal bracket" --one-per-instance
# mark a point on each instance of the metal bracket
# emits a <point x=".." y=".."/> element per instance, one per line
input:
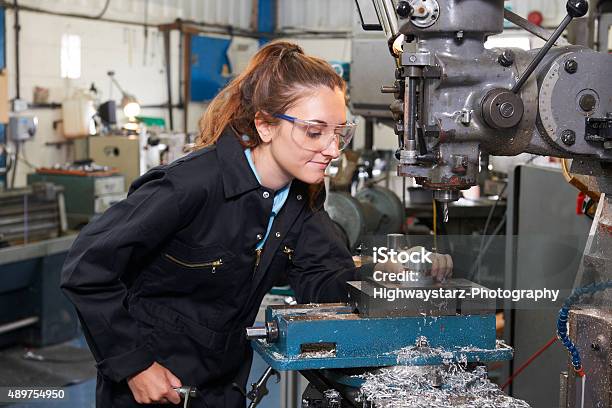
<point x="260" y="388"/>
<point x="417" y="58"/>
<point x="598" y="129"/>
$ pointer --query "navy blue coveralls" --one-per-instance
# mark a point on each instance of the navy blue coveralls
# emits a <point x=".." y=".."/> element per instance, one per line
<point x="171" y="275"/>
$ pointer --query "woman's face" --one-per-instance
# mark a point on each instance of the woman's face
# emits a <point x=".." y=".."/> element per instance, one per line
<point x="297" y="160"/>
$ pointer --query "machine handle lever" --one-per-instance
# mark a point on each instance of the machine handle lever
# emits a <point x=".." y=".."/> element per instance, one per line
<point x="258" y="389"/>
<point x="575" y="8"/>
<point x="389" y="89"/>
<point x="186" y="391"/>
<point x="269" y="332"/>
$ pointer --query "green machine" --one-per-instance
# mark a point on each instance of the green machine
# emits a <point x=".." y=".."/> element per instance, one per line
<point x="86" y="194"/>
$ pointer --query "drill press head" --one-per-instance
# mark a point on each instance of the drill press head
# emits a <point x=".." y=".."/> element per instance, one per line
<point x="455" y="99"/>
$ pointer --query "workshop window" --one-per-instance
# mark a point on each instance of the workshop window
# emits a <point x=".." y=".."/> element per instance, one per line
<point x="71" y="56"/>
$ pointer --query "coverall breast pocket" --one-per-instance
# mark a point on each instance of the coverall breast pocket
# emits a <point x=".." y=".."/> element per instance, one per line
<point x="191" y="267"/>
<point x="281" y="263"/>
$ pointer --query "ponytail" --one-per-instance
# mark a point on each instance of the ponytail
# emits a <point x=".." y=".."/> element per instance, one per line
<point x="275" y="79"/>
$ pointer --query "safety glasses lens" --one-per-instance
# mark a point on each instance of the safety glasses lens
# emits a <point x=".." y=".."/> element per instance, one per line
<point x="319" y="136"/>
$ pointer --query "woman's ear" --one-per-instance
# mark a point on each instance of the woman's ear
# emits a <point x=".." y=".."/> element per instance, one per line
<point x="264" y="128"/>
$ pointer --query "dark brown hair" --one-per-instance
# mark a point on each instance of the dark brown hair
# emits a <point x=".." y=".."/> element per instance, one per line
<point x="277" y="76"/>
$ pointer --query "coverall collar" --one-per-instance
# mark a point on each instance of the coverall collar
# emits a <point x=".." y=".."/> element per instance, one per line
<point x="236" y="172"/>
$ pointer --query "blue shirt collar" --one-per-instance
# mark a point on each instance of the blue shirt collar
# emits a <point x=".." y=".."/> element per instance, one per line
<point x="249" y="155"/>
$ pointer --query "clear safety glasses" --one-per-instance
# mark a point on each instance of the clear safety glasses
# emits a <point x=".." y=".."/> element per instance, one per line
<point x="318" y="136"/>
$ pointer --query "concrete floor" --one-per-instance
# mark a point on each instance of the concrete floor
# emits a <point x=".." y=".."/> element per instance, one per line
<point x="80" y="395"/>
<point x="83" y="395"/>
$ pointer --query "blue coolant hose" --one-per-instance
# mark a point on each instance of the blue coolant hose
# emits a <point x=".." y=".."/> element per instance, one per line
<point x="562" y="322"/>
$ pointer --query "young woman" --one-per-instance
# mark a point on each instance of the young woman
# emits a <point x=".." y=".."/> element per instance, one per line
<point x="166" y="281"/>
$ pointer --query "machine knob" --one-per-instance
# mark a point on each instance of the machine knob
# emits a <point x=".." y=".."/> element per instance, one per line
<point x="587" y="102"/>
<point x="571" y="66"/>
<point x="404" y="9"/>
<point x="272" y="328"/>
<point x="577" y="8"/>
<point x="502" y="109"/>
<point x="506" y="58"/>
<point x="568" y="137"/>
<point x="254" y="333"/>
<point x="268" y="332"/>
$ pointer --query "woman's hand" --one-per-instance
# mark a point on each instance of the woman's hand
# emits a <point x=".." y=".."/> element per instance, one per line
<point x="441" y="265"/>
<point x="155" y="386"/>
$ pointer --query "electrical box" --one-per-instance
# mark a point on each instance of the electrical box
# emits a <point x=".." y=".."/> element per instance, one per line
<point x="22" y="128"/>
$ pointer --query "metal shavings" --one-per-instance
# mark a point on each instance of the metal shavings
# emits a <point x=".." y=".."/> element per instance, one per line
<point x="407" y="354"/>
<point x="434" y="387"/>
<point x="276" y="355"/>
<point x="332" y="397"/>
<point x="310" y="354"/>
<point x="318" y="354"/>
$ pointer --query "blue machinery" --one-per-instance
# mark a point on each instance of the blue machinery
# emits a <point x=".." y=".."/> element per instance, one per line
<point x="323" y="341"/>
<point x="332" y="336"/>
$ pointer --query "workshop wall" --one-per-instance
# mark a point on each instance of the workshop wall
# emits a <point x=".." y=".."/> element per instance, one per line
<point x="337" y="15"/>
<point x="121" y="47"/>
<point x="236" y="13"/>
<point x="111" y="46"/>
<point x="315" y="15"/>
<point x="552" y="11"/>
